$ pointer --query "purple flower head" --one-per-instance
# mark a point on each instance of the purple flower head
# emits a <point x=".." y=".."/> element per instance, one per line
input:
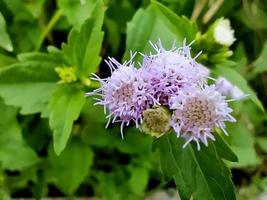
<point x="170" y="71"/>
<point x="197" y="112"/>
<point x="125" y="95"/>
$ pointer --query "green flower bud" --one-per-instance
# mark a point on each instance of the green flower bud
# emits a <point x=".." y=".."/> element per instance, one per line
<point x="66" y="74"/>
<point x="156" y="121"/>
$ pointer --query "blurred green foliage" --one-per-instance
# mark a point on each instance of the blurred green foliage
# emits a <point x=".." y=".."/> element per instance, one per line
<point x="53" y="140"/>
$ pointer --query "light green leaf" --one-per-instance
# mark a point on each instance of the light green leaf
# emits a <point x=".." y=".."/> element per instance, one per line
<point x="70" y="169"/>
<point x="139" y="179"/>
<point x="179" y="23"/>
<point x="236" y="79"/>
<point x="242" y="142"/>
<point x="15" y="154"/>
<point x="262" y="142"/>
<point x="260" y="65"/>
<point x="84" y="45"/>
<point x="64" y="108"/>
<point x="4" y="194"/>
<point x="5" y="41"/>
<point x="29" y="83"/>
<point x="76" y="11"/>
<point x="200" y="174"/>
<point x="154" y="23"/>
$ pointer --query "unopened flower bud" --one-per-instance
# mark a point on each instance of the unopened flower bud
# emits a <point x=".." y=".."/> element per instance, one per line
<point x="156" y="121"/>
<point x="66" y="74"/>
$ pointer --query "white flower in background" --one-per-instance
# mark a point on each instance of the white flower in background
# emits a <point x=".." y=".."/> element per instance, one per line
<point x="223" y="32"/>
<point x="228" y="89"/>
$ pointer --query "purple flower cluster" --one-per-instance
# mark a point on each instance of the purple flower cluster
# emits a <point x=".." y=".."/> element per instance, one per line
<point x="169" y="78"/>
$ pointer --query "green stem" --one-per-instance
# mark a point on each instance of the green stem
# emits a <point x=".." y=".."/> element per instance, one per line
<point x="48" y="28"/>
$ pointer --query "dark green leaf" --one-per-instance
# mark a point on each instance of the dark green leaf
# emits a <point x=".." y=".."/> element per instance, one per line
<point x="224" y="150"/>
<point x="70" y="169"/>
<point x="6" y="60"/>
<point x="200" y="174"/>
<point x="260" y="65"/>
<point x="253" y="16"/>
<point x="19" y="10"/>
<point x="12" y="144"/>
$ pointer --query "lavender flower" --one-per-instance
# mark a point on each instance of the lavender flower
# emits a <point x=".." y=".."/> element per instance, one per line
<point x="168" y="90"/>
<point x="170" y="71"/>
<point x="228" y="89"/>
<point x="126" y="94"/>
<point x="196" y="113"/>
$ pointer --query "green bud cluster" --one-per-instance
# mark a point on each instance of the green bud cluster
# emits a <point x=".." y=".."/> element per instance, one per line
<point x="156" y="121"/>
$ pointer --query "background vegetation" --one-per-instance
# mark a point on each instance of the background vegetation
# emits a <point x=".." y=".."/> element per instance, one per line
<point x="52" y="139"/>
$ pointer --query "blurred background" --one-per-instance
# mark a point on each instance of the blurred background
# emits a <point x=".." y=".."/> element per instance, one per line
<point x="96" y="161"/>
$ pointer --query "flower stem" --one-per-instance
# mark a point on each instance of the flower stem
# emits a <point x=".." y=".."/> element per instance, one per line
<point x="48" y="28"/>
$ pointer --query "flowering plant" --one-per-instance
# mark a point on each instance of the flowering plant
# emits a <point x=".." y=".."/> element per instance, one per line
<point x="169" y="78"/>
<point x="182" y="120"/>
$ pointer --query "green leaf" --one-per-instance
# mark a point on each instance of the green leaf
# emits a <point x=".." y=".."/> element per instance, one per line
<point x="24" y="35"/>
<point x="35" y="7"/>
<point x="131" y="143"/>
<point x="254" y="17"/>
<point x="64" y="108"/>
<point x="25" y="10"/>
<point x="6" y="60"/>
<point x="5" y="41"/>
<point x="19" y="9"/>
<point x="76" y="11"/>
<point x="262" y="142"/>
<point x="12" y="144"/>
<point x="260" y="65"/>
<point x="224" y="150"/>
<point x="70" y="169"/>
<point x="84" y="45"/>
<point x="29" y="83"/>
<point x="179" y="23"/>
<point x="236" y="79"/>
<point x="200" y="174"/>
<point x="24" y="28"/>
<point x="242" y="142"/>
<point x="139" y="179"/>
<point x="157" y="22"/>
<point x="4" y="194"/>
